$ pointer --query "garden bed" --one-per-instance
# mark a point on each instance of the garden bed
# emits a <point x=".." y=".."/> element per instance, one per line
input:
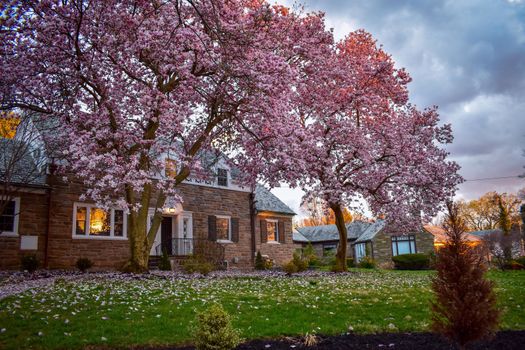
<point x="508" y="340"/>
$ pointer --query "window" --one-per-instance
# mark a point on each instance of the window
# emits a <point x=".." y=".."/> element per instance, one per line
<point x="272" y="229"/>
<point x="329" y="249"/>
<point x="222" y="177"/>
<point x="170" y="168"/>
<point x="360" y="251"/>
<point x="403" y="245"/>
<point x="92" y="222"/>
<point x="8" y="124"/>
<point x="9" y="218"/>
<point x="223" y="228"/>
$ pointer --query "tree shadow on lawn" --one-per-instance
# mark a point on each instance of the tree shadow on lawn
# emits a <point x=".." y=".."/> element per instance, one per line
<point x="508" y="340"/>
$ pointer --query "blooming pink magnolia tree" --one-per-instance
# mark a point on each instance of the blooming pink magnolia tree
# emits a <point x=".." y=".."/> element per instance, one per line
<point x="129" y="82"/>
<point x="358" y="137"/>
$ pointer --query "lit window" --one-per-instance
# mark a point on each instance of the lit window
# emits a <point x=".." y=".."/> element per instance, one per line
<point x="90" y="221"/>
<point x="223" y="228"/>
<point x="403" y="245"/>
<point x="222" y="177"/>
<point x="171" y="168"/>
<point x="8" y="125"/>
<point x="9" y="217"/>
<point x="273" y="230"/>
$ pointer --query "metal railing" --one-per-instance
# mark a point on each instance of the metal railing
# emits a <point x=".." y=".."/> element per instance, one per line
<point x="206" y="249"/>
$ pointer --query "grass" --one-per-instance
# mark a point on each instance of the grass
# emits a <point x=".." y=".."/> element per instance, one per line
<point x="125" y="312"/>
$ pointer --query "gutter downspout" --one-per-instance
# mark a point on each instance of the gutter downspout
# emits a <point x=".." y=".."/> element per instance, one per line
<point x="52" y="168"/>
<point x="253" y="214"/>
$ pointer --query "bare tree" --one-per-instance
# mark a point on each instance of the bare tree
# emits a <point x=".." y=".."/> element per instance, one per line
<point x="23" y="159"/>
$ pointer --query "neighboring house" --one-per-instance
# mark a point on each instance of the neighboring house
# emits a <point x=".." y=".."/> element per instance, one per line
<point x="440" y="237"/>
<point x="494" y="240"/>
<point x="325" y="238"/>
<point x="366" y="239"/>
<point x="218" y="214"/>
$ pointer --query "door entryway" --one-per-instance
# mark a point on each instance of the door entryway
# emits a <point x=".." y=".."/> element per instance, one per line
<point x="166" y="235"/>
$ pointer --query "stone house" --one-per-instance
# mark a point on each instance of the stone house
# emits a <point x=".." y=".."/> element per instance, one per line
<point x="366" y="239"/>
<point x="47" y="218"/>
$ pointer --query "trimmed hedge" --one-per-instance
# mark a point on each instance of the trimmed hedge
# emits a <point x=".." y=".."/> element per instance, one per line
<point x="411" y="262"/>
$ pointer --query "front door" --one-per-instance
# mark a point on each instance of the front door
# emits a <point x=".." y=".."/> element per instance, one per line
<point x="166" y="236"/>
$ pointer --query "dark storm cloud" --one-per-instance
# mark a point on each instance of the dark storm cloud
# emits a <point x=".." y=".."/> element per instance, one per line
<point x="467" y="57"/>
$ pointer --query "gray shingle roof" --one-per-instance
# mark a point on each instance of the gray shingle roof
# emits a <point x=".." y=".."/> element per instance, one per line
<point x="298" y="237"/>
<point x="485" y="232"/>
<point x="267" y="201"/>
<point x="371" y="231"/>
<point x="329" y="232"/>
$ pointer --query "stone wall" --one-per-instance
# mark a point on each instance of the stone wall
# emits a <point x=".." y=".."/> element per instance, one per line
<point x="279" y="252"/>
<point x="31" y="222"/>
<point x="382" y="245"/>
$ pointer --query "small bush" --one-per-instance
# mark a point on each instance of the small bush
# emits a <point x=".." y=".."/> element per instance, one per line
<point x="198" y="264"/>
<point x="84" y="264"/>
<point x="164" y="263"/>
<point x="367" y="263"/>
<point x="262" y="263"/>
<point x="290" y="267"/>
<point x="214" y="331"/>
<point x="29" y="263"/>
<point x="300" y="262"/>
<point x="520" y="260"/>
<point x="411" y="262"/>
<point x="350" y="262"/>
<point x="513" y="265"/>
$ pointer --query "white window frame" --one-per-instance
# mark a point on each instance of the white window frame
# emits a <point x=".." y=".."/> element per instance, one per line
<point x="229" y="240"/>
<point x="276" y="222"/>
<point x="227" y="177"/>
<point x="111" y="236"/>
<point x="16" y="218"/>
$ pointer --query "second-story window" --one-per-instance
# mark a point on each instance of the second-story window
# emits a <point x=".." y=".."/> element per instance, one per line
<point x="171" y="168"/>
<point x="222" y="177"/>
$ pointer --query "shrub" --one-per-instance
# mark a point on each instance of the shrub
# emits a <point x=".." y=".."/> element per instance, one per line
<point x="164" y="263"/>
<point x="350" y="262"/>
<point x="367" y="263"/>
<point x="259" y="262"/>
<point x="214" y="331"/>
<point x="290" y="267"/>
<point x="411" y="262"/>
<point x="196" y="263"/>
<point x="84" y="264"/>
<point x="520" y="260"/>
<point x="29" y="263"/>
<point x="513" y="265"/>
<point x="300" y="262"/>
<point x="465" y="308"/>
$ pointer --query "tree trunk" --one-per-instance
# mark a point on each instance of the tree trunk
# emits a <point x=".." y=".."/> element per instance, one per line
<point x="340" y="256"/>
<point x="140" y="238"/>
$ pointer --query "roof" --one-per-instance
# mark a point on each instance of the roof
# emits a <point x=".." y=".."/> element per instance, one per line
<point x="483" y="233"/>
<point x="440" y="235"/>
<point x="298" y="237"/>
<point x="17" y="159"/>
<point x="267" y="201"/>
<point x="371" y="231"/>
<point x="329" y="232"/>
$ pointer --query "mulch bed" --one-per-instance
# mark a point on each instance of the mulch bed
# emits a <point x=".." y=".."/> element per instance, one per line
<point x="505" y="340"/>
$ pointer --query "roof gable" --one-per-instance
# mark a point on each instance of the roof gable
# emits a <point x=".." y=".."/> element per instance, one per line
<point x="267" y="201"/>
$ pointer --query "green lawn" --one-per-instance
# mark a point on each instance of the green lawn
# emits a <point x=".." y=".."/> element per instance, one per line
<point x="119" y="311"/>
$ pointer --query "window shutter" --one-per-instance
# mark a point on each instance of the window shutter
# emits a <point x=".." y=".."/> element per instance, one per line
<point x="235" y="229"/>
<point x="282" y="234"/>
<point x="264" y="232"/>
<point x="212" y="228"/>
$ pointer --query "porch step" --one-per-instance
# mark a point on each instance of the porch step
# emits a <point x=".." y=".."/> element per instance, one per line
<point x="153" y="262"/>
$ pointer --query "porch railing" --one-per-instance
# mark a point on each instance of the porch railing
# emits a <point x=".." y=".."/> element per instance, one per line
<point x="206" y="249"/>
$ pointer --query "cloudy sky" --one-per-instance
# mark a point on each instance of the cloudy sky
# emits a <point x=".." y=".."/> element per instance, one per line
<point x="468" y="58"/>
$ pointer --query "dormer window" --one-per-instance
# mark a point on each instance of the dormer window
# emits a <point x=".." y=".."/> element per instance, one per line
<point x="222" y="177"/>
